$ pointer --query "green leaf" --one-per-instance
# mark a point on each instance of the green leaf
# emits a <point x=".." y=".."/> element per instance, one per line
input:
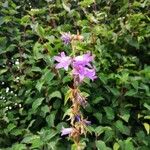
<point x="29" y="139"/>
<point x="132" y="42"/>
<point x="11" y="126"/>
<point x="19" y="147"/>
<point x="147" y="127"/>
<point x="16" y="132"/>
<point x="40" y="30"/>
<point x="100" y="129"/>
<point x="97" y="100"/>
<point x="86" y="3"/>
<point x="55" y="94"/>
<point x="68" y="95"/>
<point x="36" y="143"/>
<point x="66" y="7"/>
<point x="115" y="91"/>
<point x="98" y="116"/>
<point x="109" y="113"/>
<point x="48" y="76"/>
<point x="67" y="113"/>
<point x="101" y="145"/>
<point x="147" y="106"/>
<point x="125" y="117"/>
<point x="37" y="103"/>
<point x="116" y="146"/>
<point x="45" y="109"/>
<point x="39" y="85"/>
<point x="50" y="134"/>
<point x="50" y="119"/>
<point x="74" y="147"/>
<point x="3" y="71"/>
<point x="131" y="92"/>
<point x="25" y="19"/>
<point x="128" y="144"/>
<point x="122" y="128"/>
<point x="37" y="51"/>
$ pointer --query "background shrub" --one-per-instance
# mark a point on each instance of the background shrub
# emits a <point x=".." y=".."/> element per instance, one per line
<point x="32" y="91"/>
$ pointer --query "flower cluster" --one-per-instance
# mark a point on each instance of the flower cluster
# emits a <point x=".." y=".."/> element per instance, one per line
<point x="67" y="38"/>
<point x="79" y="127"/>
<point x="81" y="66"/>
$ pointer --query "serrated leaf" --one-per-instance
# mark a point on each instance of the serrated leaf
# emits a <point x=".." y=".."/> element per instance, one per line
<point x="11" y="126"/>
<point x="19" y="147"/>
<point x="36" y="143"/>
<point x="49" y="135"/>
<point x="16" y="132"/>
<point x="29" y="139"/>
<point x="128" y="144"/>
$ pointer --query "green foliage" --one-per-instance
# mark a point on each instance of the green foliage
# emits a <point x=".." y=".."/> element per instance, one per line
<point x="33" y="92"/>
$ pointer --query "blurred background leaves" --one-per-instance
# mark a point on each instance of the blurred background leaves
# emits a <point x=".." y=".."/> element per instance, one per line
<point x="32" y="92"/>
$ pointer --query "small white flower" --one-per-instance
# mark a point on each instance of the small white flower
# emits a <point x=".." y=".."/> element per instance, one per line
<point x="7" y="89"/>
<point x="10" y="107"/>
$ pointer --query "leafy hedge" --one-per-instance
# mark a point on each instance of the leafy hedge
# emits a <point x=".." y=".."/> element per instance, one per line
<point x="32" y="90"/>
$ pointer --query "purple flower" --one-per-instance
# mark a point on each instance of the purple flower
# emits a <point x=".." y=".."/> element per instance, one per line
<point x="79" y="71"/>
<point x="84" y="121"/>
<point x="90" y="73"/>
<point x="83" y="72"/>
<point x="87" y="122"/>
<point x="83" y="60"/>
<point x="66" y="131"/>
<point x="64" y="61"/>
<point x="77" y="118"/>
<point x="66" y="38"/>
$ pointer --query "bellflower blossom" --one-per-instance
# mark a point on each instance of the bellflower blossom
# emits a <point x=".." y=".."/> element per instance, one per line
<point x="84" y="121"/>
<point x="83" y="60"/>
<point x="83" y="72"/>
<point x="66" y="131"/>
<point x="80" y="64"/>
<point x="83" y="68"/>
<point x="64" y="61"/>
<point x="87" y="122"/>
<point x="66" y="38"/>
